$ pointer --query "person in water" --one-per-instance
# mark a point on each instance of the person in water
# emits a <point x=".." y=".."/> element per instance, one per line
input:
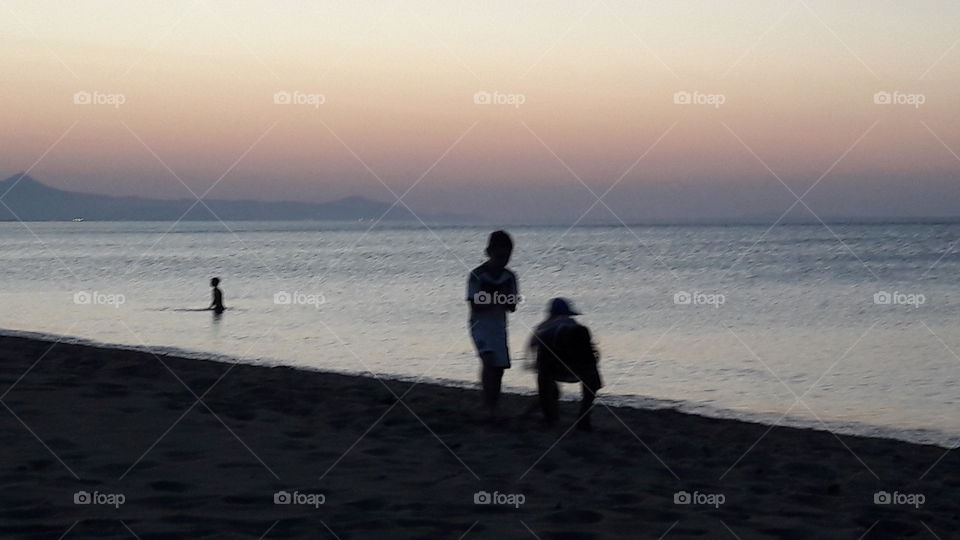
<point x="565" y="353"/>
<point x="492" y="293"/>
<point x="217" y="304"/>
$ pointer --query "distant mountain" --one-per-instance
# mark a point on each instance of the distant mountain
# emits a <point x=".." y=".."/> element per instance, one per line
<point x="31" y="200"/>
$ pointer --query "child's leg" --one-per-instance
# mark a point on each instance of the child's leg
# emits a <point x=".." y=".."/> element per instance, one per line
<point x="589" y="385"/>
<point x="491" y="378"/>
<point x="549" y="395"/>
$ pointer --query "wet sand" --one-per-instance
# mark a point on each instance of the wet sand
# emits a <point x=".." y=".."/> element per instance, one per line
<point x="170" y="447"/>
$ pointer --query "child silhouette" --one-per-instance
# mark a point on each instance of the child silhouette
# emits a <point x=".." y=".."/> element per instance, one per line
<point x="217" y="304"/>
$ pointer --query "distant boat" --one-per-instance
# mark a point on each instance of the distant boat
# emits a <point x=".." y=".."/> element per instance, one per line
<point x="78" y="219"/>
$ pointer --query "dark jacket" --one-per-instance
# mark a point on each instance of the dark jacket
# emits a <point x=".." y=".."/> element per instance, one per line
<point x="565" y="350"/>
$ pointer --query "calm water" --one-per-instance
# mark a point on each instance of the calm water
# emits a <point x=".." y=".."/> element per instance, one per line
<point x="774" y="315"/>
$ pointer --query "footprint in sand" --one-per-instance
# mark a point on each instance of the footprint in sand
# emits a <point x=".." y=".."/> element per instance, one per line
<point x="569" y="535"/>
<point x="576" y="516"/>
<point x="36" y="465"/>
<point x="170" y="486"/>
<point x="368" y="505"/>
<point x="249" y="500"/>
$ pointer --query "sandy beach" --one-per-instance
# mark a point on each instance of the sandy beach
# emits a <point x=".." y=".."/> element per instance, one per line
<point x="104" y="443"/>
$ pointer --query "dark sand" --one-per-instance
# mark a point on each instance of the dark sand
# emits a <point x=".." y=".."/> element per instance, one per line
<point x="410" y="469"/>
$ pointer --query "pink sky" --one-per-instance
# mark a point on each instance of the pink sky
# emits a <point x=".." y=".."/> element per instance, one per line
<point x="581" y="91"/>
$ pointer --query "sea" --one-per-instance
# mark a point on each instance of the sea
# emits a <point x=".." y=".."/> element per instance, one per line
<point x="849" y="328"/>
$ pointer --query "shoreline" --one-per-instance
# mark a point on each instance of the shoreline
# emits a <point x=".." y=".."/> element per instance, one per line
<point x="918" y="436"/>
<point x="108" y="422"/>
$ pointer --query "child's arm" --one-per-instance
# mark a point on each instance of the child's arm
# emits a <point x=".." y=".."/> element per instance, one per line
<point x="473" y="289"/>
<point x="513" y="294"/>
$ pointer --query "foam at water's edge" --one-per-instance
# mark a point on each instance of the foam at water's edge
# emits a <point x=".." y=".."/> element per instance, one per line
<point x="915" y="436"/>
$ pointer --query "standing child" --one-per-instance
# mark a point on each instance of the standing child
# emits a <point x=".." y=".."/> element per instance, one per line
<point x="492" y="292"/>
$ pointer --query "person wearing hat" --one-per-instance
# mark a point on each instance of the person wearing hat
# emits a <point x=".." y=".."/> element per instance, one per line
<point x="565" y="353"/>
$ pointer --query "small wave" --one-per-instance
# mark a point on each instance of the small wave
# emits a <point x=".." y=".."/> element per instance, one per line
<point x="192" y="310"/>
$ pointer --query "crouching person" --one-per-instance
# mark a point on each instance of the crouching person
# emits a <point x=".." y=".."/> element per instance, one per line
<point x="565" y="353"/>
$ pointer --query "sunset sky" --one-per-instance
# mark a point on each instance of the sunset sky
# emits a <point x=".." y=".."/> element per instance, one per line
<point x="388" y="93"/>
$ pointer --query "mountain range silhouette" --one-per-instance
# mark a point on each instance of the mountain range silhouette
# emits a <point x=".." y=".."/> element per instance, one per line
<point x="24" y="198"/>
